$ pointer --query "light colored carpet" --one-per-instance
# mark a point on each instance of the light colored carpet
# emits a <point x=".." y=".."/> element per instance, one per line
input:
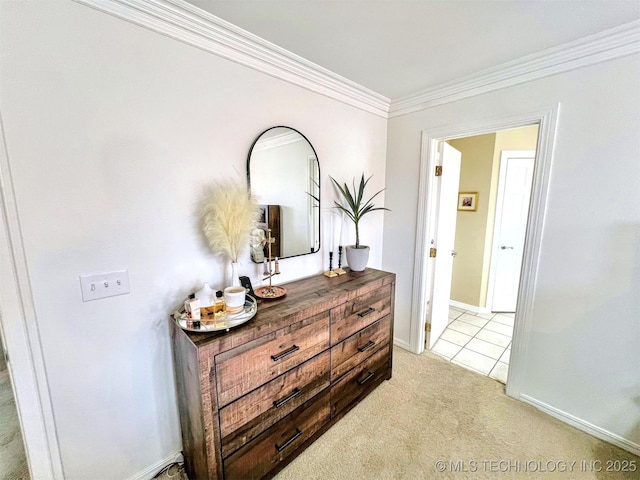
<point x="13" y="462"/>
<point x="434" y="411"/>
<point x="172" y="472"/>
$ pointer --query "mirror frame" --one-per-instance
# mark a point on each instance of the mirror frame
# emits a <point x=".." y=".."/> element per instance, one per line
<point x="319" y="183"/>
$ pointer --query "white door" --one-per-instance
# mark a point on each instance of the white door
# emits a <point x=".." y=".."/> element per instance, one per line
<point x="512" y="209"/>
<point x="446" y="235"/>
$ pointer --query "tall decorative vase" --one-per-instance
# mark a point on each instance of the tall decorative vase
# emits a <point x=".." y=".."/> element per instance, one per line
<point x="234" y="281"/>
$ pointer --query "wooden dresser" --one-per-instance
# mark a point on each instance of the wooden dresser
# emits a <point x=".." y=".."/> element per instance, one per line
<point x="253" y="398"/>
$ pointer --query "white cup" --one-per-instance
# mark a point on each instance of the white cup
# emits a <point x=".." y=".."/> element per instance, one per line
<point x="234" y="298"/>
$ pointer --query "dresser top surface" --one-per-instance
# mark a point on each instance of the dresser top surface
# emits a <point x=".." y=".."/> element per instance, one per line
<point x="317" y="293"/>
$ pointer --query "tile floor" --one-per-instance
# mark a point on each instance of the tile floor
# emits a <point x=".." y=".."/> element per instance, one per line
<point x="478" y="341"/>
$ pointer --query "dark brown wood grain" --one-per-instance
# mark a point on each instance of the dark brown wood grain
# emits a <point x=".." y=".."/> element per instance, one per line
<point x="247" y="417"/>
<point x="358" y="347"/>
<point x="361" y="380"/>
<point x="258" y="457"/>
<point x="273" y="213"/>
<point x="190" y="404"/>
<point x="304" y="297"/>
<point x="228" y="382"/>
<point x="244" y="368"/>
<point x="359" y="312"/>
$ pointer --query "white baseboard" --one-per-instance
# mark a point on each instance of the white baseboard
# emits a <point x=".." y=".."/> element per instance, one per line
<point x="471" y="308"/>
<point x="402" y="344"/>
<point x="152" y="470"/>
<point x="586" y="427"/>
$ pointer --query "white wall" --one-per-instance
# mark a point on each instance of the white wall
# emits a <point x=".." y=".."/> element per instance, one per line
<point x="112" y="133"/>
<point x="583" y="356"/>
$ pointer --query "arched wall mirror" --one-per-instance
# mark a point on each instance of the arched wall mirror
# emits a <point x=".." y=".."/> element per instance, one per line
<point x="284" y="177"/>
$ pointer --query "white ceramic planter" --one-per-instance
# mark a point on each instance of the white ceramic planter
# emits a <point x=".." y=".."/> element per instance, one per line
<point x="357" y="258"/>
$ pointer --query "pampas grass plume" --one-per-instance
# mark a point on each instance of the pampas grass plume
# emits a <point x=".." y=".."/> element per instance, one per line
<point x="228" y="216"/>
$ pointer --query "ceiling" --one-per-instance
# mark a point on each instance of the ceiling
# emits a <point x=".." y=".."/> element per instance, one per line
<point x="399" y="47"/>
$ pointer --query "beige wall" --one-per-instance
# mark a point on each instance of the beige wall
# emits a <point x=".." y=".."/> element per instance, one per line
<point x="474" y="230"/>
<point x="471" y="227"/>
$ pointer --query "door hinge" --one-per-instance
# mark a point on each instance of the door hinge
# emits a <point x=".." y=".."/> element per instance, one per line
<point x="432" y="252"/>
<point x="438" y="171"/>
<point x="427" y="327"/>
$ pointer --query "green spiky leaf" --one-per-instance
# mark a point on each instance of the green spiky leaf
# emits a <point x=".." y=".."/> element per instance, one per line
<point x="353" y="204"/>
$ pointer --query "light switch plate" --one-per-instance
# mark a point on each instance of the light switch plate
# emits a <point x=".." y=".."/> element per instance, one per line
<point x="102" y="285"/>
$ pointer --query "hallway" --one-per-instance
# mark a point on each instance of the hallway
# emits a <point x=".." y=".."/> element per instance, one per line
<point x="478" y="341"/>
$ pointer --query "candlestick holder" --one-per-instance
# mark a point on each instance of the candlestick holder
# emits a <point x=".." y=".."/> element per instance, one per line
<point x="330" y="272"/>
<point x="339" y="270"/>
<point x="271" y="292"/>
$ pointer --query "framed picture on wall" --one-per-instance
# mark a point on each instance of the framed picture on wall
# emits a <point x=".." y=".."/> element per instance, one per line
<point x="468" y="201"/>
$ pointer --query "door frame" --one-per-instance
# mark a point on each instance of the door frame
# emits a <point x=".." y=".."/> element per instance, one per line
<point x="546" y="119"/>
<point x="19" y="326"/>
<point x="436" y="241"/>
<point x="506" y="154"/>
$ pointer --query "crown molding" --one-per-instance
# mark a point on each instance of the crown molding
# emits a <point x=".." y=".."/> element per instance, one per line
<point x="189" y="24"/>
<point x="600" y="47"/>
<point x="184" y="22"/>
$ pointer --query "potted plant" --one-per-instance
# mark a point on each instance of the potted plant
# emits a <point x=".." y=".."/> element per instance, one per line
<point x="228" y="216"/>
<point x="355" y="207"/>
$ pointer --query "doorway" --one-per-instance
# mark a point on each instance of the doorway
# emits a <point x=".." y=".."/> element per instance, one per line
<point x="13" y="458"/>
<point x="21" y="340"/>
<point x="426" y="231"/>
<point x="487" y="242"/>
<point x="509" y="231"/>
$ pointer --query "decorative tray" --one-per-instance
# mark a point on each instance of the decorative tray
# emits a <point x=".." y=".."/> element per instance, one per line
<point x="226" y="323"/>
<point x="270" y="293"/>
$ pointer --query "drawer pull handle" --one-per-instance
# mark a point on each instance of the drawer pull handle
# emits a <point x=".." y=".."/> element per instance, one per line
<point x="279" y="448"/>
<point x="288" y="351"/>
<point x="366" y="379"/>
<point x="291" y="396"/>
<point x="366" y="312"/>
<point x="369" y="345"/>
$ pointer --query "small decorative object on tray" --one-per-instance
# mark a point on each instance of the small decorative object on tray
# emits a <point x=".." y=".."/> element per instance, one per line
<point x="270" y="293"/>
<point x="214" y="321"/>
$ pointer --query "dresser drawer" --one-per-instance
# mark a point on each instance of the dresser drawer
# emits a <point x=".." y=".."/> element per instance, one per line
<point x="241" y="369"/>
<point x="356" y="314"/>
<point x="356" y="384"/>
<point x="301" y="352"/>
<point x="358" y="347"/>
<point x="258" y="457"/>
<point x="247" y="417"/>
